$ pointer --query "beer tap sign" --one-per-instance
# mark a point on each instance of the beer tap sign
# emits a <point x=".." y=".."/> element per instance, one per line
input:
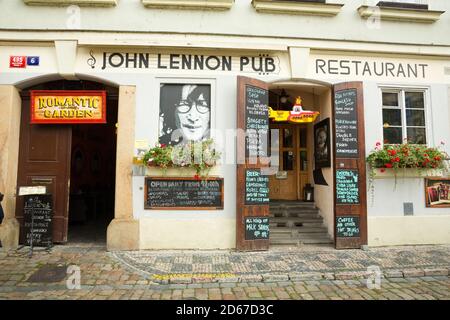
<point x="297" y="115"/>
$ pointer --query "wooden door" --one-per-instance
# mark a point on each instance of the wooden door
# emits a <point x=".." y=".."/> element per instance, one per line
<point x="44" y="159"/>
<point x="293" y="163"/>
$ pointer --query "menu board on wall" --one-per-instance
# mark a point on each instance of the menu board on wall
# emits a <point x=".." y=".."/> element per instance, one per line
<point x="347" y="226"/>
<point x="183" y="193"/>
<point x="347" y="187"/>
<point x="256" y="187"/>
<point x="38" y="213"/>
<point x="256" y="228"/>
<point x="346" y="123"/>
<point x="256" y="121"/>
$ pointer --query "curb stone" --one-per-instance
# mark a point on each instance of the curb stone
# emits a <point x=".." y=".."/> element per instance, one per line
<point x="407" y="273"/>
<point x="305" y="276"/>
<point x="393" y="274"/>
<point x="274" y="277"/>
<point x="436" y="272"/>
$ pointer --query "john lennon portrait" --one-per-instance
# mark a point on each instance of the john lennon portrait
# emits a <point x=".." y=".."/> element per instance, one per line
<point x="184" y="113"/>
<point x="322" y="144"/>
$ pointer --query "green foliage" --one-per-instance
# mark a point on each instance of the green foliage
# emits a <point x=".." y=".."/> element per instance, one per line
<point x="200" y="155"/>
<point x="405" y="155"/>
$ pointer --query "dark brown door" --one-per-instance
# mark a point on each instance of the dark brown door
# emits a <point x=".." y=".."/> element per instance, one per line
<point x="44" y="159"/>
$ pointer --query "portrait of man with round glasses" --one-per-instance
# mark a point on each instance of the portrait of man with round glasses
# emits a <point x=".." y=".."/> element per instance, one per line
<point x="185" y="113"/>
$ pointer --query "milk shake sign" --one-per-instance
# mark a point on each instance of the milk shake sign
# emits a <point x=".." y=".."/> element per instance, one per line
<point x="56" y="106"/>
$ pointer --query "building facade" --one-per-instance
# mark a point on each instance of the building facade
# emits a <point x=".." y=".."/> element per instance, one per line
<point x="390" y="59"/>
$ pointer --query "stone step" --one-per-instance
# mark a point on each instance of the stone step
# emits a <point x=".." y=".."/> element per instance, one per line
<point x="316" y="224"/>
<point x="296" y="211"/>
<point x="295" y="242"/>
<point x="295" y="233"/>
<point x="301" y="236"/>
<point x="298" y="230"/>
<point x="315" y="218"/>
<point x="294" y="215"/>
<point x="296" y="207"/>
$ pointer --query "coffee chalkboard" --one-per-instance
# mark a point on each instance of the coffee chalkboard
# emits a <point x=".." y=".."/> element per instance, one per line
<point x="38" y="213"/>
<point x="256" y="121"/>
<point x="183" y="193"/>
<point x="256" y="187"/>
<point x="256" y="228"/>
<point x="346" y="122"/>
<point x="347" y="226"/>
<point x="347" y="187"/>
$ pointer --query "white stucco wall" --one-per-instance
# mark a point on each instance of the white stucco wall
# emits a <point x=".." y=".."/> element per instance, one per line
<point x="387" y="224"/>
<point x="241" y="19"/>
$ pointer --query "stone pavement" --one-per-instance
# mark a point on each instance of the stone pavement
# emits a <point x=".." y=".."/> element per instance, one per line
<point x="420" y="272"/>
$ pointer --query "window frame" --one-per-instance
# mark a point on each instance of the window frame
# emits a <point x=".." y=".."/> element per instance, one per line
<point x="401" y="92"/>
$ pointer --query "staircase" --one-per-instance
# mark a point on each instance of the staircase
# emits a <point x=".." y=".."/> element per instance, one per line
<point x="294" y="223"/>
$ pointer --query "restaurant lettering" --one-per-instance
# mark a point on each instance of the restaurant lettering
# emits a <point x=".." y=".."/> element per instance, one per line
<point x="370" y="68"/>
<point x="262" y="64"/>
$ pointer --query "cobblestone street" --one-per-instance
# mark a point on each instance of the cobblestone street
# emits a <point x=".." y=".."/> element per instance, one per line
<point x="407" y="273"/>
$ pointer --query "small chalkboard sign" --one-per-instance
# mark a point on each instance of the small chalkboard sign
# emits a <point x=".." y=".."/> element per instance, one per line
<point x="38" y="213"/>
<point x="256" y="121"/>
<point x="256" y="187"/>
<point x="346" y="123"/>
<point x="256" y="228"/>
<point x="183" y="193"/>
<point x="347" y="186"/>
<point x="347" y="227"/>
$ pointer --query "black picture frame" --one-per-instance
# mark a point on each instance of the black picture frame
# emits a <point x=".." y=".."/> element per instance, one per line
<point x="322" y="150"/>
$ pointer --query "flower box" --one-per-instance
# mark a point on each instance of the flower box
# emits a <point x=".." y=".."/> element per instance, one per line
<point x="386" y="173"/>
<point x="174" y="171"/>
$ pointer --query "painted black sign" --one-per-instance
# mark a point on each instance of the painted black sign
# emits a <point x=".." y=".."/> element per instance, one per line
<point x="347" y="226"/>
<point x="38" y="213"/>
<point x="347" y="190"/>
<point x="184" y="193"/>
<point x="256" y="121"/>
<point x="256" y="187"/>
<point x="256" y="228"/>
<point x="346" y="139"/>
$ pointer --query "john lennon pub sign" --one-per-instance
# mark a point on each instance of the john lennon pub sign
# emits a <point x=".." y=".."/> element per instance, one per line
<point x="57" y="106"/>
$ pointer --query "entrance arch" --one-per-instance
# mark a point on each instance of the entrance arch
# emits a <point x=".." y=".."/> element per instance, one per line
<point x="76" y="162"/>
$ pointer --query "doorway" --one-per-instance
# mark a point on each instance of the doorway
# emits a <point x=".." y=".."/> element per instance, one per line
<point x="289" y="182"/>
<point x="76" y="162"/>
<point x="92" y="179"/>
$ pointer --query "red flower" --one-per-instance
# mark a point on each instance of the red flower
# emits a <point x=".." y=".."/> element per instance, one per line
<point x="397" y="159"/>
<point x="163" y="145"/>
<point x="437" y="158"/>
<point x="388" y="165"/>
<point x="378" y="144"/>
<point x="197" y="177"/>
<point x="425" y="155"/>
<point x="382" y="170"/>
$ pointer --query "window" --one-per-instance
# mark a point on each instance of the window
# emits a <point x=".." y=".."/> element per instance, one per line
<point x="404" y="116"/>
<point x="406" y="4"/>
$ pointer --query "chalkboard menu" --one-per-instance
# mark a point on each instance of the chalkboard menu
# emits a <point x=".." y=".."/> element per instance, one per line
<point x="347" y="227"/>
<point x="256" y="187"/>
<point x="256" y="121"/>
<point x="347" y="188"/>
<point x="183" y="193"/>
<point x="38" y="213"/>
<point x="256" y="228"/>
<point x="346" y="139"/>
